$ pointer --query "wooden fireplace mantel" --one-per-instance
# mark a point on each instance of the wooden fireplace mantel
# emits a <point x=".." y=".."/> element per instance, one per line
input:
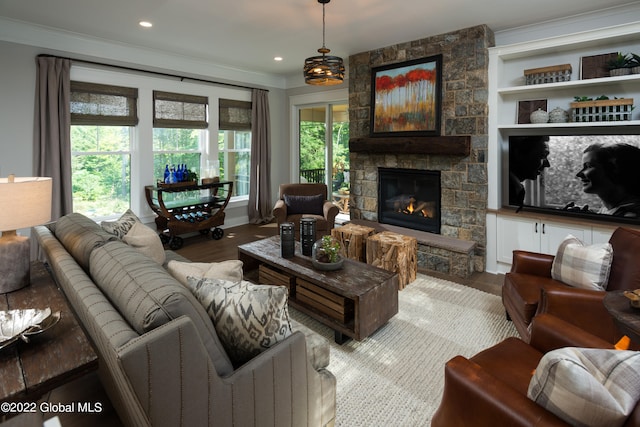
<point x="450" y="145"/>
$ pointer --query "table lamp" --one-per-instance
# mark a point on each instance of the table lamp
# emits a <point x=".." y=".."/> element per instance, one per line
<point x="26" y="202"/>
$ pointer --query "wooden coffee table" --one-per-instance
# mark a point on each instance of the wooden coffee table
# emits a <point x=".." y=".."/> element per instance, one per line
<point x="354" y="301"/>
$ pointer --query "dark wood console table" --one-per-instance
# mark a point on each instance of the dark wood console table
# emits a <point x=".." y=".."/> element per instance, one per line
<point x="58" y="355"/>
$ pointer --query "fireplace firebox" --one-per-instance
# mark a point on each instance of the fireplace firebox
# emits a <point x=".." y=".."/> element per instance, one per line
<point x="409" y="198"/>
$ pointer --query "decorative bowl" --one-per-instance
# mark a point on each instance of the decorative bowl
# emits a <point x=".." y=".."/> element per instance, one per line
<point x="21" y="324"/>
<point x="633" y="297"/>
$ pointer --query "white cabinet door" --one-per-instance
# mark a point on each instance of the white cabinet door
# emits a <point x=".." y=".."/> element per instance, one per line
<point x="551" y="235"/>
<point x="535" y="235"/>
<point x="516" y="233"/>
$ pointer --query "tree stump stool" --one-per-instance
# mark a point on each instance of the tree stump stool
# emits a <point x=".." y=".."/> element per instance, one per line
<point x="394" y="252"/>
<point x="353" y="238"/>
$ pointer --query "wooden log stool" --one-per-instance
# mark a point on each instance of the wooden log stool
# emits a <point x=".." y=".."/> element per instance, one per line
<point x="353" y="238"/>
<point x="394" y="252"/>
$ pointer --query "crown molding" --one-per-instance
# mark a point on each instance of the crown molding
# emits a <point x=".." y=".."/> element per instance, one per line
<point x="67" y="43"/>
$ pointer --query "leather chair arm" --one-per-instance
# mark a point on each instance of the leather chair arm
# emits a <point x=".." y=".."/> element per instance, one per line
<point x="330" y="210"/>
<point x="473" y="397"/>
<point x="532" y="263"/>
<point x="583" y="308"/>
<point x="280" y="211"/>
<point x="549" y="332"/>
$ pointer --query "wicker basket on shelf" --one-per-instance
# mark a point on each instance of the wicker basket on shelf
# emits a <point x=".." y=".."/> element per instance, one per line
<point x="552" y="74"/>
<point x="607" y="110"/>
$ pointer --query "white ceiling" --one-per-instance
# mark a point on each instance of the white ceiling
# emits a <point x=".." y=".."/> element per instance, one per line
<point x="248" y="34"/>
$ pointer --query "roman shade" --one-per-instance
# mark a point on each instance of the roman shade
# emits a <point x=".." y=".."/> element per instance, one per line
<point x="103" y="105"/>
<point x="234" y="115"/>
<point x="176" y="110"/>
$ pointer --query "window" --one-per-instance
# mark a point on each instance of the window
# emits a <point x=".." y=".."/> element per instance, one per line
<point x="234" y="144"/>
<point x="179" y="135"/>
<point x="102" y="122"/>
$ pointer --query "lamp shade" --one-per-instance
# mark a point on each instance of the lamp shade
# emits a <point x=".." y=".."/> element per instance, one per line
<point x="26" y="202"/>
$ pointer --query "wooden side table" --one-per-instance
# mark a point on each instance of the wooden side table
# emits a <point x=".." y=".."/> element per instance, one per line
<point x="626" y="318"/>
<point x="394" y="252"/>
<point x="353" y="238"/>
<point x="50" y="359"/>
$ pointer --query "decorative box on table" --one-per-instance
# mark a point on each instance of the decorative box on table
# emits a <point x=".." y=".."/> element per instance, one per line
<point x="606" y="110"/>
<point x="552" y="74"/>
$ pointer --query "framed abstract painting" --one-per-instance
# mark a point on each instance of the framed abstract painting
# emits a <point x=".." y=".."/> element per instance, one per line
<point x="406" y="98"/>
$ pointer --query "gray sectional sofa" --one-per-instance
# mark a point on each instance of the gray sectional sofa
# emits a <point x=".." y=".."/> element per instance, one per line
<point x="160" y="359"/>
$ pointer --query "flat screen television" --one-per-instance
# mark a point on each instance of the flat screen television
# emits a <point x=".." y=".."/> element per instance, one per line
<point x="594" y="176"/>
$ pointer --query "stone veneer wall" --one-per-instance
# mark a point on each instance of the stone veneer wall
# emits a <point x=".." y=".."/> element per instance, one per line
<point x="465" y="112"/>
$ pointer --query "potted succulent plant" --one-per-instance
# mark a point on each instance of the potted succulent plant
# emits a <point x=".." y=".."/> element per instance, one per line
<point x="619" y="66"/>
<point x="634" y="63"/>
<point x="327" y="254"/>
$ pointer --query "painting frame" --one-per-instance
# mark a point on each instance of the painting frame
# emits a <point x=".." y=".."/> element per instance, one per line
<point x="394" y="89"/>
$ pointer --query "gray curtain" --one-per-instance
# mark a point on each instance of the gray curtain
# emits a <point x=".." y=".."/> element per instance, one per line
<point x="51" y="136"/>
<point x="260" y="204"/>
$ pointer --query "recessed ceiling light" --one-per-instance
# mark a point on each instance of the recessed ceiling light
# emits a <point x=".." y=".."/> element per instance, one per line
<point x="145" y="24"/>
<point x="278" y="58"/>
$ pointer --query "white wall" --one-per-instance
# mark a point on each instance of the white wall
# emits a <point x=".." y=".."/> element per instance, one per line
<point x="17" y="94"/>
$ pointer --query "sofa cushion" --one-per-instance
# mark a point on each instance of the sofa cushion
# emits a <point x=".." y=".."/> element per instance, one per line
<point x="318" y="349"/>
<point x="148" y="297"/>
<point x="227" y="270"/>
<point x="582" y="266"/>
<point x="146" y="241"/>
<point x="122" y="225"/>
<point x="248" y="318"/>
<point x="80" y="236"/>
<point x="312" y="205"/>
<point x="594" y="387"/>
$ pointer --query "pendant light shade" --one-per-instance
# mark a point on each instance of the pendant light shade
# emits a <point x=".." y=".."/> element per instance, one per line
<point x="323" y="70"/>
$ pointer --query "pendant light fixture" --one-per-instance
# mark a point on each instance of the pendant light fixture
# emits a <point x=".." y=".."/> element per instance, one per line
<point x="323" y="70"/>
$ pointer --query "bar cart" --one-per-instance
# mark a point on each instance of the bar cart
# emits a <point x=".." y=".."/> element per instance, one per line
<point x="187" y="207"/>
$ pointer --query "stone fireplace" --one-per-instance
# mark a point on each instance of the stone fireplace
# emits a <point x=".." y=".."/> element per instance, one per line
<point x="463" y="172"/>
<point x="409" y="198"/>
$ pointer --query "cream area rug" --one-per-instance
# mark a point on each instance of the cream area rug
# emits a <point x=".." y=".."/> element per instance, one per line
<point x="395" y="377"/>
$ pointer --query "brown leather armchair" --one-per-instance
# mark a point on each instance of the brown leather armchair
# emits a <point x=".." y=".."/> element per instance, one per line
<point x="529" y="290"/>
<point x="325" y="220"/>
<point x="490" y="388"/>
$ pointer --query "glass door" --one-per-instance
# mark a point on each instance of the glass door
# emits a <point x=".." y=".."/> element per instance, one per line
<point x="324" y="156"/>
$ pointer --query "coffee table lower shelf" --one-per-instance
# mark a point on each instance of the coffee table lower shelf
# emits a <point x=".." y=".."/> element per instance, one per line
<point x="354" y="301"/>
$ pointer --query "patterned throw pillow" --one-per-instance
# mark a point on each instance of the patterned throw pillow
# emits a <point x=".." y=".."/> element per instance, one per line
<point x="248" y="318"/>
<point x="226" y="270"/>
<point x="582" y="266"/>
<point x="121" y="226"/>
<point x="585" y="386"/>
<point x="297" y="205"/>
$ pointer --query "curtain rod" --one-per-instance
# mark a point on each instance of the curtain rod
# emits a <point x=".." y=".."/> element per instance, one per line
<point x="158" y="73"/>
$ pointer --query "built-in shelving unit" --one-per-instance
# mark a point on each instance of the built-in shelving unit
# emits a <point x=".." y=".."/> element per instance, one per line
<point x="507" y="88"/>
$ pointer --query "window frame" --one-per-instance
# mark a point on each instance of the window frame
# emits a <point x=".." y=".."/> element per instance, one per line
<point x="142" y="172"/>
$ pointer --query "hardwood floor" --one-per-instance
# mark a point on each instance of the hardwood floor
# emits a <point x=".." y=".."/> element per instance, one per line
<point x="201" y="248"/>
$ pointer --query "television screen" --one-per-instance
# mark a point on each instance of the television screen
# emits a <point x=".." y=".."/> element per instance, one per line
<point x="586" y="175"/>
